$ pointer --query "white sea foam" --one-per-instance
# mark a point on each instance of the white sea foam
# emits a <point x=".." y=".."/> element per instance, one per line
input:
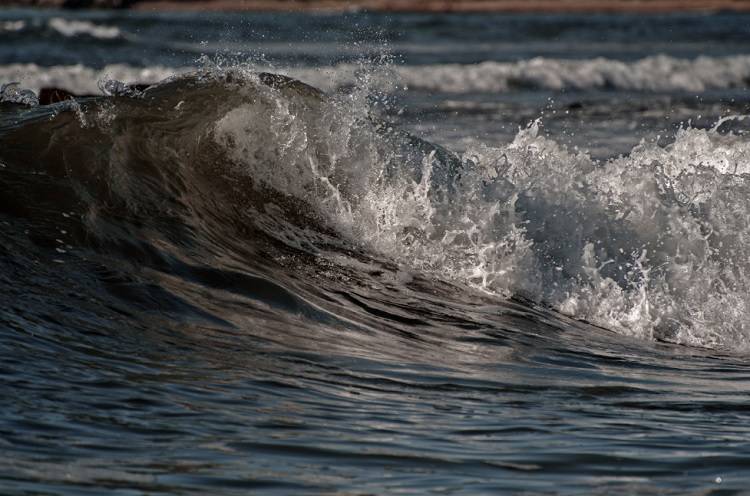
<point x="653" y="244"/>
<point x="12" y="26"/>
<point x="71" y="27"/>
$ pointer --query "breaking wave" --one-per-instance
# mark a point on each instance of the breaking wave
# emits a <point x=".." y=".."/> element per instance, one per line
<point x="213" y="165"/>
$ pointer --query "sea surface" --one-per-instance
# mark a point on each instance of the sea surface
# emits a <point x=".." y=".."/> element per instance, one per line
<point x="359" y="253"/>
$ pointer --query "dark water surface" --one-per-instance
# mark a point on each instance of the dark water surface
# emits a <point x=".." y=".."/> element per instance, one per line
<point x="232" y="283"/>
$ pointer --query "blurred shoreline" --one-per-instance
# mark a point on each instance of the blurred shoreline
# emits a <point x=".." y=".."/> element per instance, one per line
<point x="508" y="6"/>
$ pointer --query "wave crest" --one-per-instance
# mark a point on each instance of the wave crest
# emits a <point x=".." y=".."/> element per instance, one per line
<point x="652" y="244"/>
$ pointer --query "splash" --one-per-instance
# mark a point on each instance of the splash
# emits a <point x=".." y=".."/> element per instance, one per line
<point x="652" y="244"/>
<point x="14" y="93"/>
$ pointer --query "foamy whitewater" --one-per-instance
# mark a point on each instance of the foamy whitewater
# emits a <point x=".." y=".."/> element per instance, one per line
<point x="637" y="244"/>
<point x="472" y="254"/>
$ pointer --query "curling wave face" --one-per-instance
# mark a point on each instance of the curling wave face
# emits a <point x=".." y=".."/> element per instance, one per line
<point x="230" y="168"/>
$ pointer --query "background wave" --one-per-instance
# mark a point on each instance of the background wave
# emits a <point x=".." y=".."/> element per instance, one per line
<point x="652" y="74"/>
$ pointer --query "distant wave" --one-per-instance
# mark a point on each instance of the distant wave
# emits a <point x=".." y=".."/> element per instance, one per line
<point x="82" y="79"/>
<point x="652" y="74"/>
<point x="60" y="26"/>
<point x="70" y="28"/>
<point x="655" y="73"/>
<point x="12" y="26"/>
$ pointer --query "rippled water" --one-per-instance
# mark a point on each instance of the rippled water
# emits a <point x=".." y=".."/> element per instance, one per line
<point x="500" y="254"/>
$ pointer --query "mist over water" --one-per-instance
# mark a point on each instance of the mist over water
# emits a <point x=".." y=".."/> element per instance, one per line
<point x="470" y="254"/>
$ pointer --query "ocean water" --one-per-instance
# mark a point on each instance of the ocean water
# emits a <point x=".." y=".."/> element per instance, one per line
<point x="374" y="254"/>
